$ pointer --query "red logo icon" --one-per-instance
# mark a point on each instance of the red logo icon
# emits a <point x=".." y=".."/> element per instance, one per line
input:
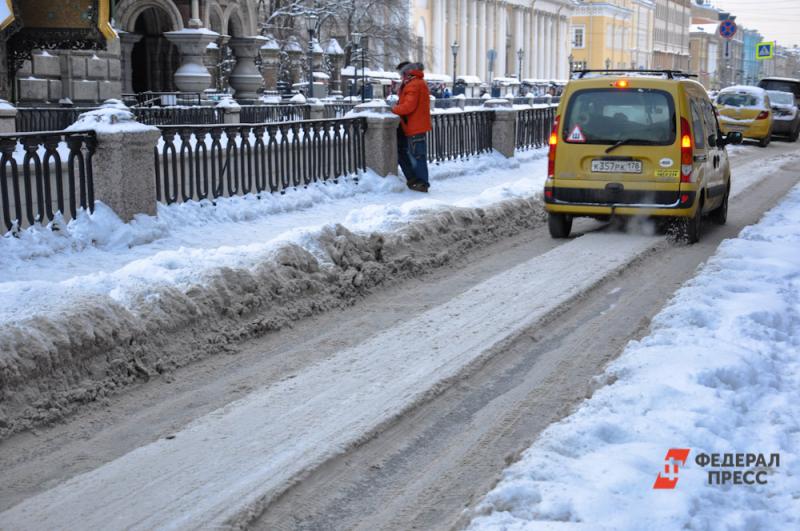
<point x="675" y="458"/>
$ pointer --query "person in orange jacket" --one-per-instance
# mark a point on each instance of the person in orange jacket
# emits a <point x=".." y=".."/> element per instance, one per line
<point x="414" y="110"/>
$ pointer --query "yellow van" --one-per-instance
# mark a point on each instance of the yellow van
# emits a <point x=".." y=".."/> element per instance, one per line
<point x="637" y="143"/>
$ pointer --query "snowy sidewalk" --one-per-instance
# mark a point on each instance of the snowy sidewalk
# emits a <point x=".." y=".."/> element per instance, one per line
<point x="101" y="256"/>
<point x="718" y="374"/>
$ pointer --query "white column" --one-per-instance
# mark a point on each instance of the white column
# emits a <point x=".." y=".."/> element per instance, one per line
<point x="472" y="30"/>
<point x="481" y="32"/>
<point x="540" y="45"/>
<point x="550" y="49"/>
<point x="528" y="45"/>
<point x="518" y="42"/>
<point x="500" y="39"/>
<point x="438" y="36"/>
<point x="452" y="35"/>
<point x="490" y="31"/>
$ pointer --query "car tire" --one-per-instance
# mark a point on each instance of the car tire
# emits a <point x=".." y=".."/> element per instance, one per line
<point x="720" y="214"/>
<point x="560" y="225"/>
<point x="764" y="142"/>
<point x="795" y="135"/>
<point x="691" y="226"/>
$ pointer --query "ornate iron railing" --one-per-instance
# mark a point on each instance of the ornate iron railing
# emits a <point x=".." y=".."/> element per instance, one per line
<point x="459" y="135"/>
<point x="30" y="119"/>
<point x="201" y="162"/>
<point x="178" y="115"/>
<point x="284" y="112"/>
<point x="533" y="127"/>
<point x="338" y="109"/>
<point x="142" y="99"/>
<point x="45" y="176"/>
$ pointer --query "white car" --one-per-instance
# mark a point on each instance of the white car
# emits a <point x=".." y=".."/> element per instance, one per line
<point x="785" y="114"/>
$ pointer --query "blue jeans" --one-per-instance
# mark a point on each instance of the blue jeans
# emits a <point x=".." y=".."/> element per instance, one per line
<point x="412" y="155"/>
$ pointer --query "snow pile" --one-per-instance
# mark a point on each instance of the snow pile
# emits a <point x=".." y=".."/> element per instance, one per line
<point x="111" y="117"/>
<point x="298" y="98"/>
<point x="139" y="299"/>
<point x="718" y="374"/>
<point x="228" y="103"/>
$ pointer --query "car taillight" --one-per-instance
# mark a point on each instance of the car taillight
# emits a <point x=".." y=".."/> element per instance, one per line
<point x="551" y="156"/>
<point x="763" y="115"/>
<point x="687" y="152"/>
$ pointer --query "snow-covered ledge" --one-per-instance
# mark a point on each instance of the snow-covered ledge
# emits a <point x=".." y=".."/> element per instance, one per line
<point x="123" y="164"/>
<point x="192" y="75"/>
<point x="8" y="117"/>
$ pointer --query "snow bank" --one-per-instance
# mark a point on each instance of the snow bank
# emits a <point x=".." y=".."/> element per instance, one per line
<point x="129" y="322"/>
<point x="718" y="373"/>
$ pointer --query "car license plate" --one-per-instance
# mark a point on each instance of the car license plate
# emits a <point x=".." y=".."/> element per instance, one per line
<point x="616" y="166"/>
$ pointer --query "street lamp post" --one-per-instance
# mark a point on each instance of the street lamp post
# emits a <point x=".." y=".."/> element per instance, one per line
<point x="454" y="49"/>
<point x="520" y="56"/>
<point x="571" y="60"/>
<point x="311" y="26"/>
<point x="357" y="43"/>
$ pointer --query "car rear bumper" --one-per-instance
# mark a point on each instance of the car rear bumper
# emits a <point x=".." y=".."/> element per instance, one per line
<point x="783" y="126"/>
<point x="755" y="129"/>
<point x="627" y="202"/>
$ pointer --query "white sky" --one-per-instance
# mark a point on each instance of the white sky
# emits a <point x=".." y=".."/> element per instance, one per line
<point x="777" y="20"/>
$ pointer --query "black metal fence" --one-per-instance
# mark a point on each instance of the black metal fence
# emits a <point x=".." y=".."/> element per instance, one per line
<point x="533" y="127"/>
<point x="31" y="119"/>
<point x="200" y="162"/>
<point x="149" y="98"/>
<point x="43" y="175"/>
<point x="259" y="114"/>
<point x="178" y="115"/>
<point x="459" y="135"/>
<point x="338" y="109"/>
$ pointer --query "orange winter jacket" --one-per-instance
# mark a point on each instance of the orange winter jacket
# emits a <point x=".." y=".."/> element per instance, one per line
<point x="414" y="107"/>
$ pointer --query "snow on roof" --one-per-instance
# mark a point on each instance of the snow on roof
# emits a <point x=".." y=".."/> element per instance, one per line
<point x="439" y="78"/>
<point x="333" y="48"/>
<point x="506" y="80"/>
<point x="744" y="89"/>
<point x="470" y="80"/>
<point x="321" y="75"/>
<point x="293" y="46"/>
<point x="704" y="28"/>
<point x="270" y="44"/>
<point x="350" y="71"/>
<point x="317" y="47"/>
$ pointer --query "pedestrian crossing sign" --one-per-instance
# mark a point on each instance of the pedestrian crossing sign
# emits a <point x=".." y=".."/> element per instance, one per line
<point x="765" y="50"/>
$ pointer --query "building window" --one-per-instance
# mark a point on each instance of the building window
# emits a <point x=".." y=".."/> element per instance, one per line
<point x="578" y="36"/>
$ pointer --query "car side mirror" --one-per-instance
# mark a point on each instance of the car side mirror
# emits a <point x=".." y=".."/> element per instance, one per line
<point x="734" y="137"/>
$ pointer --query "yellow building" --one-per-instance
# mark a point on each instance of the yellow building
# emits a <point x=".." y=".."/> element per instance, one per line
<point x="613" y="34"/>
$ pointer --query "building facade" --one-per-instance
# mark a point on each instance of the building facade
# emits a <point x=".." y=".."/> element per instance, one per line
<point x="704" y="43"/>
<point x="490" y="33"/>
<point x="671" y="34"/>
<point x="751" y="66"/>
<point x="613" y="34"/>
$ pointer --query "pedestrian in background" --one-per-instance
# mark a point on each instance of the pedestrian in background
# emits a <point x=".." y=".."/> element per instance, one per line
<point x="414" y="110"/>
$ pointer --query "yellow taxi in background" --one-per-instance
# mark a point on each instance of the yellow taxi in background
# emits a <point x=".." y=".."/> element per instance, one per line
<point x="746" y="110"/>
<point x="636" y="143"/>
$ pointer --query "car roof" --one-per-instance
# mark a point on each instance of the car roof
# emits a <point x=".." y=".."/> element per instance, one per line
<point x="789" y="79"/>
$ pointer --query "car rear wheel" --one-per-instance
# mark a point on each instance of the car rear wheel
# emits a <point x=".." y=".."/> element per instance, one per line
<point x="764" y="142"/>
<point x="560" y="225"/>
<point x="691" y="226"/>
<point x="795" y="135"/>
<point x="720" y="214"/>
